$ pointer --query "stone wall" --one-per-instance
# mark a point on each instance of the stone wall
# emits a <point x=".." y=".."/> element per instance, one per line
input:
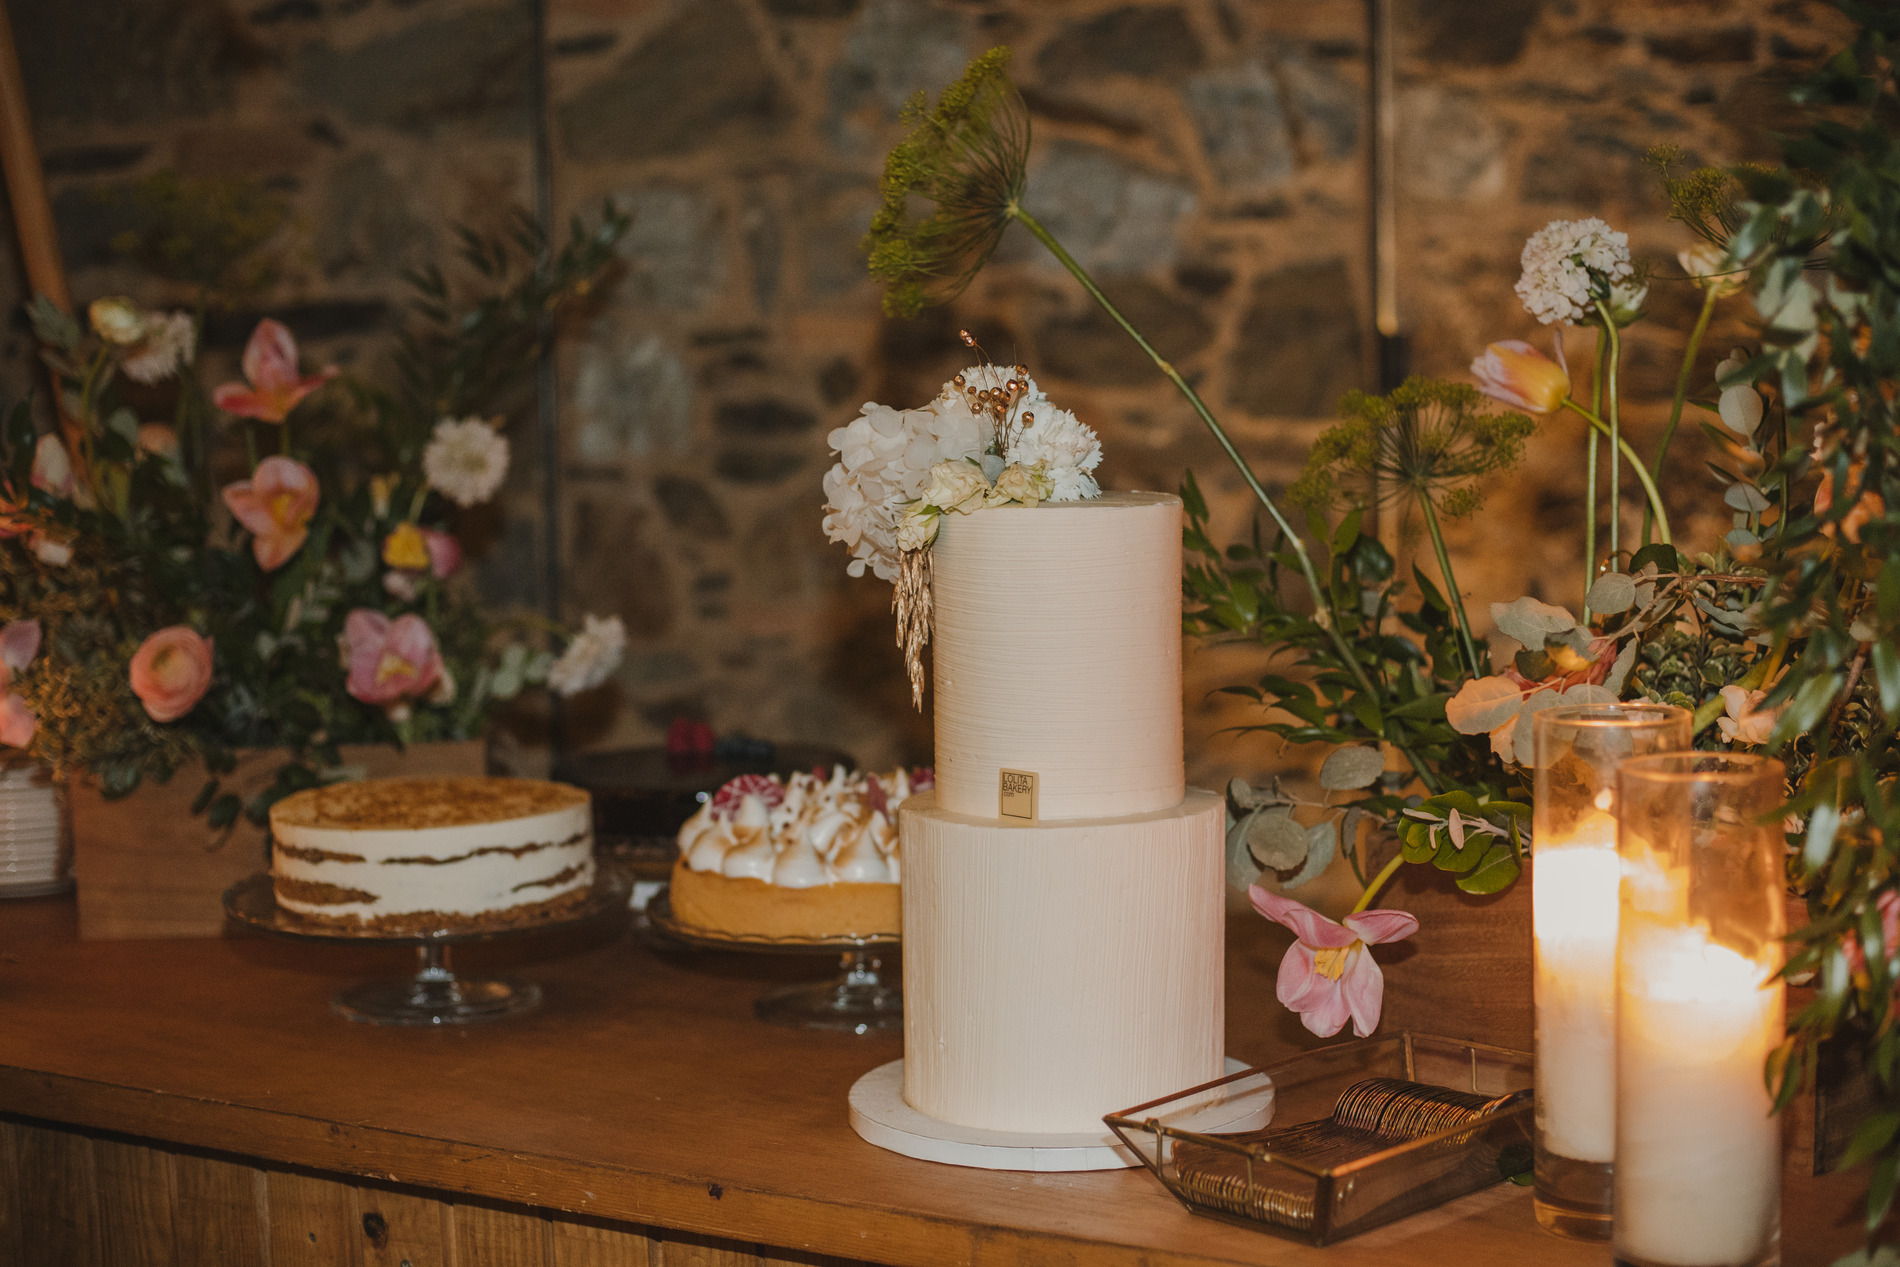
<point x="1205" y="158"/>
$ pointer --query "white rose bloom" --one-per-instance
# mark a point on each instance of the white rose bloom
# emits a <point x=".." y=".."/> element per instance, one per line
<point x="466" y="460"/>
<point x="591" y="657"/>
<point x="1065" y="448"/>
<point x="1709" y="266"/>
<point x="170" y="341"/>
<point x="917" y="527"/>
<point x="955" y="486"/>
<point x="1562" y="262"/>
<point x="1025" y="484"/>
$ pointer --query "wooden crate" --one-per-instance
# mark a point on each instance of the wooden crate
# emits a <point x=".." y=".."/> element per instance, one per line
<point x="147" y="866"/>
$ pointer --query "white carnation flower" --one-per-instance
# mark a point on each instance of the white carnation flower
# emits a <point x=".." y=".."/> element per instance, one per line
<point x="1066" y="449"/>
<point x="591" y="657"/>
<point x="1567" y="263"/>
<point x="466" y="460"/>
<point x="170" y="341"/>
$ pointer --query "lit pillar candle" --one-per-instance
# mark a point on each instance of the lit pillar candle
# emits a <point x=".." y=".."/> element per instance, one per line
<point x="1698" y="1158"/>
<point x="1574" y="878"/>
<point x="1573" y="900"/>
<point x="1698" y="1010"/>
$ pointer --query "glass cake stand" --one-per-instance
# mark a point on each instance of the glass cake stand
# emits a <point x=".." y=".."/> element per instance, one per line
<point x="435" y="995"/>
<point x="858" y="1001"/>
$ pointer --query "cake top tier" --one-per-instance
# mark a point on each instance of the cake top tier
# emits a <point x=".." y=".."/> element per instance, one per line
<point x="415" y="804"/>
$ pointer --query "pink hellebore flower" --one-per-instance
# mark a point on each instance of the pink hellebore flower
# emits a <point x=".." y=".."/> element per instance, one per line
<point x="275" y="504"/>
<point x="445" y="552"/>
<point x="171" y="671"/>
<point x="1328" y="974"/>
<point x="19" y="643"/>
<point x="390" y="660"/>
<point x="52" y="467"/>
<point x="270" y="365"/>
<point x="1519" y="375"/>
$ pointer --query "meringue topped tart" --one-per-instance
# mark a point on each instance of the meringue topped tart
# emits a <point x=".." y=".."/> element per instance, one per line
<point x="808" y="857"/>
<point x="414" y="855"/>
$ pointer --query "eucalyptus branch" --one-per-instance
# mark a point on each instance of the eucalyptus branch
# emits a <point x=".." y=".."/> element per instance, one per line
<point x="1682" y="394"/>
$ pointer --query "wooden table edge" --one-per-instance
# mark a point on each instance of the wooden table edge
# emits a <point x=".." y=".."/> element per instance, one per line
<point x="566" y="1184"/>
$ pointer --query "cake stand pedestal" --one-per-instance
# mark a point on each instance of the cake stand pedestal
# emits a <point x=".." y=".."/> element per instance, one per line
<point x="881" y="1116"/>
<point x="435" y="995"/>
<point x="858" y="1001"/>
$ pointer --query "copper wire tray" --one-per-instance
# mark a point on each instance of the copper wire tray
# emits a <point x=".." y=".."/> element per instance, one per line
<point x="1454" y="1118"/>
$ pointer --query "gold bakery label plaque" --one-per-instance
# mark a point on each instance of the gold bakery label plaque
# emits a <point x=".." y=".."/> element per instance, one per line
<point x="1018" y="794"/>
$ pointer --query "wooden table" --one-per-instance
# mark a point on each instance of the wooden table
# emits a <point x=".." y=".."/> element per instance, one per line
<point x="196" y="1103"/>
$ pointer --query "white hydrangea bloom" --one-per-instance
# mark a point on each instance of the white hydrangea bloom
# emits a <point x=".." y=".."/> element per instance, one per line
<point x="170" y="341"/>
<point x="1562" y="263"/>
<point x="465" y="460"/>
<point x="591" y="657"/>
<point x="1066" y="449"/>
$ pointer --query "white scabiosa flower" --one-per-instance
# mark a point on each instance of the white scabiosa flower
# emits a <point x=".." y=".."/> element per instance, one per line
<point x="466" y="460"/>
<point x="170" y="341"/>
<point x="591" y="657"/>
<point x="1065" y="448"/>
<point x="1567" y="265"/>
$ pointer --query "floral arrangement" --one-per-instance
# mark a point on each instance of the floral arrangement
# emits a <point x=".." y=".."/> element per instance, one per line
<point x="1779" y="636"/>
<point x="158" y="610"/>
<point x="989" y="438"/>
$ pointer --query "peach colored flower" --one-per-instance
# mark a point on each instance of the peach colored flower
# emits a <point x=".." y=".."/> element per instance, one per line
<point x="1328" y="975"/>
<point x="445" y="552"/>
<point x="275" y="504"/>
<point x="270" y="366"/>
<point x="158" y="439"/>
<point x="19" y="643"/>
<point x="1746" y="720"/>
<point x="171" y="672"/>
<point x="18" y="723"/>
<point x="390" y="660"/>
<point x="1519" y="375"/>
<point x="1870" y="506"/>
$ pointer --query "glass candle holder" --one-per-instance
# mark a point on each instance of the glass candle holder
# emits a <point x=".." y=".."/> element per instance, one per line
<point x="1699" y="1007"/>
<point x="1574" y="870"/>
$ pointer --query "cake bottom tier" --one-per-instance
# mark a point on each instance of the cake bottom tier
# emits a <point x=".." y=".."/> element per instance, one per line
<point x="1058" y="971"/>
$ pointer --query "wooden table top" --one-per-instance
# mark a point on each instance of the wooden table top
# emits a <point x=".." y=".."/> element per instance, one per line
<point x="643" y="1090"/>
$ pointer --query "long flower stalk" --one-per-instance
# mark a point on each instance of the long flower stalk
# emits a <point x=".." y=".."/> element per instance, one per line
<point x="1700" y="328"/>
<point x="1616" y="432"/>
<point x="1467" y="644"/>
<point x="1378" y="882"/>
<point x="1322" y="601"/>
<point x="1598" y="427"/>
<point x="1590" y="490"/>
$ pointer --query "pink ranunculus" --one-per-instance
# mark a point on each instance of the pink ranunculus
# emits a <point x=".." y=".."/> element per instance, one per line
<point x="52" y="467"/>
<point x="19" y="643"/>
<point x="270" y="365"/>
<point x="390" y="660"/>
<point x="1519" y="375"/>
<point x="17" y="722"/>
<point x="1328" y="974"/>
<point x="171" y="671"/>
<point x="445" y="552"/>
<point x="275" y="504"/>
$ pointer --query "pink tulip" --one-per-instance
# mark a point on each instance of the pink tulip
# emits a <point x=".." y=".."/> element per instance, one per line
<point x="52" y="467"/>
<point x="1328" y="974"/>
<point x="17" y="722"/>
<point x="390" y="660"/>
<point x="171" y="671"/>
<point x="270" y="365"/>
<point x="275" y="504"/>
<point x="1519" y="375"/>
<point x="445" y="552"/>
<point x="19" y="643"/>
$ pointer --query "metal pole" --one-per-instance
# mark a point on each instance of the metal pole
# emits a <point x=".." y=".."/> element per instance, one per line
<point x="546" y="396"/>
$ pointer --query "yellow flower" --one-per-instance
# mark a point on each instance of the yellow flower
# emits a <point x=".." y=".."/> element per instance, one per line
<point x="117" y="320"/>
<point x="381" y="489"/>
<point x="406" y="548"/>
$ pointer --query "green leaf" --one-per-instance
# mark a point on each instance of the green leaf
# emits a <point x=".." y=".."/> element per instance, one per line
<point x="205" y="793"/>
<point x="1661" y="554"/>
<point x="1517" y="1164"/>
<point x="1887" y="674"/>
<point x="1809" y="705"/>
<point x="1823" y="822"/>
<point x="224" y="811"/>
<point x="1366" y="708"/>
<point x="1348" y="532"/>
<point x="1349" y="768"/>
<point x="1880" y="1189"/>
<point x="1497" y="871"/>
<point x="1417" y="845"/>
<point x="1275" y="840"/>
<point x="1322" y="841"/>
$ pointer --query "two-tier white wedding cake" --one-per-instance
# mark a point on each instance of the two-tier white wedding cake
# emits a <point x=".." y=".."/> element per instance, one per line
<point x="1066" y="967"/>
<point x="1062" y="898"/>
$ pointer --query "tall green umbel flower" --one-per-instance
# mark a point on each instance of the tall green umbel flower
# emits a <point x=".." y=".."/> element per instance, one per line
<point x="970" y="157"/>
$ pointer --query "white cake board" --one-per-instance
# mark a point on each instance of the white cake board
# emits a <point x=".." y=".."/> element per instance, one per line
<point x="881" y="1116"/>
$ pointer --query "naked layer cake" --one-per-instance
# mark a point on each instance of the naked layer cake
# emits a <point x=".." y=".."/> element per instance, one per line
<point x="807" y="857"/>
<point x="409" y="855"/>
